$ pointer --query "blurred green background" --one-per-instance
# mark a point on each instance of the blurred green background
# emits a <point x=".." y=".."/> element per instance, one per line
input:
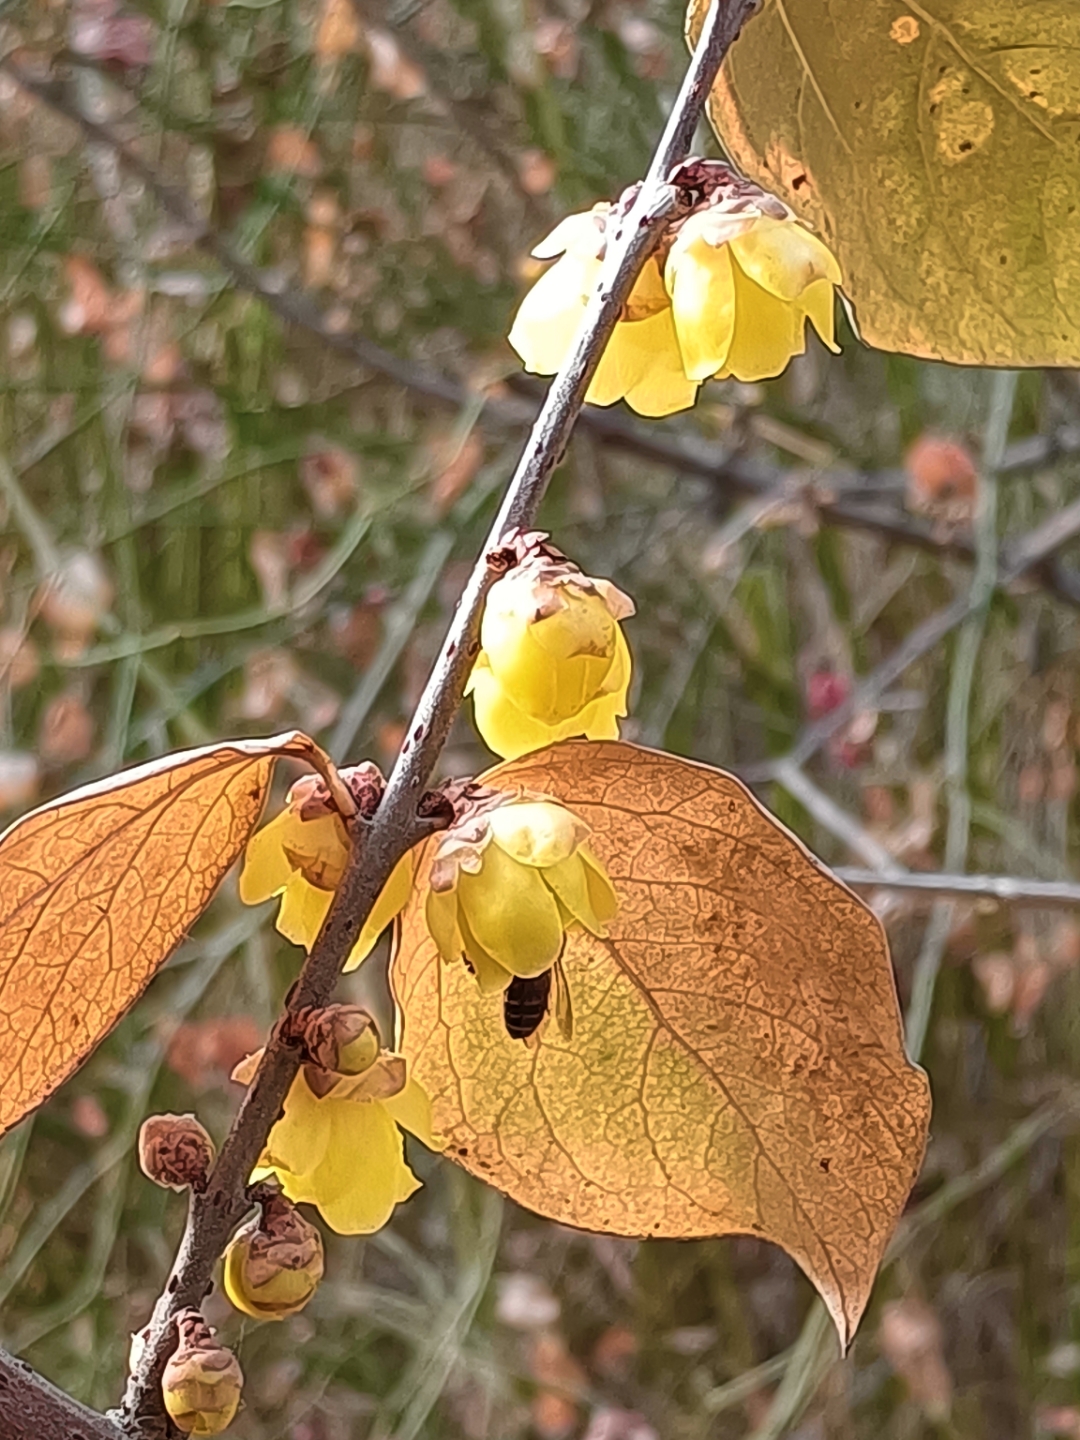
<point x="225" y="512"/>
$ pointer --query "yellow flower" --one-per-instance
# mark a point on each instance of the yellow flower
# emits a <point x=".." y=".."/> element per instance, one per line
<point x="343" y="1151"/>
<point x="742" y="287"/>
<point x="641" y="363"/>
<point x="339" y="1145"/>
<point x="303" y="860"/>
<point x="507" y="883"/>
<point x="554" y="662"/>
<point x="728" y="293"/>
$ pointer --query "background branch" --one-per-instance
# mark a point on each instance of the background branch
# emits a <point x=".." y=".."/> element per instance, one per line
<point x="1030" y="550"/>
<point x="1008" y="889"/>
<point x="843" y="498"/>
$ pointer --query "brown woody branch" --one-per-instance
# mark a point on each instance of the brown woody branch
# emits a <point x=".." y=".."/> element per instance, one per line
<point x="378" y="844"/>
<point x="33" y="1409"/>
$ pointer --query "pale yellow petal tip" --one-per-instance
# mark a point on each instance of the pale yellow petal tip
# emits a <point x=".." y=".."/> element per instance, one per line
<point x="392" y="900"/>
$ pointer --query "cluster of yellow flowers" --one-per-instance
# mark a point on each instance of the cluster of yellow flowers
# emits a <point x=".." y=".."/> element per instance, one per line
<point x="508" y="880"/>
<point x="728" y="293"/>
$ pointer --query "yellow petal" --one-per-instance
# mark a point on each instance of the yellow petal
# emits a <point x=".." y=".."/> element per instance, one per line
<point x="582" y="627"/>
<point x="582" y="234"/>
<point x="298" y="1141"/>
<point x="818" y="302"/>
<point x="266" y="868"/>
<point x="440" y="911"/>
<point x="512" y="913"/>
<point x="603" y="900"/>
<point x="518" y="663"/>
<point x="392" y="900"/>
<point x="702" y="289"/>
<point x="567" y="880"/>
<point x="783" y="257"/>
<point x="550" y="315"/>
<point x="319" y="848"/>
<point x="505" y="729"/>
<point x="412" y="1110"/>
<point x="598" y="721"/>
<point x="536" y="832"/>
<point x="768" y="332"/>
<point x="491" y="977"/>
<point x="622" y="365"/>
<point x="617" y="681"/>
<point x="583" y="888"/>
<point x="649" y="294"/>
<point x="363" y="1175"/>
<point x="664" y="388"/>
<point x="302" y="912"/>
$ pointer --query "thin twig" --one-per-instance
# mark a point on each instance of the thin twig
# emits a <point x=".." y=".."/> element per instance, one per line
<point x="1007" y="889"/>
<point x="1029" y="552"/>
<point x="837" y="821"/>
<point x="378" y="845"/>
<point x="34" y="1409"/>
<point x="958" y="711"/>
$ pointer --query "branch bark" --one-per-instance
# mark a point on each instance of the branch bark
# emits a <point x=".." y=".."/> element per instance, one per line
<point x="33" y="1409"/>
<point x="1008" y="889"/>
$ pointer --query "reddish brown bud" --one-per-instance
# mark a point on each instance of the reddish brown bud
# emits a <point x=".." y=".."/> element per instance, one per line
<point x="310" y="797"/>
<point x="175" y="1151"/>
<point x="202" y="1381"/>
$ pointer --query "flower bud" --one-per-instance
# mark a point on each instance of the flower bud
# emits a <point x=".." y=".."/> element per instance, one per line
<point x="341" y="1039"/>
<point x="175" y="1152"/>
<point x="202" y="1381"/>
<point x="274" y="1263"/>
<point x="509" y="879"/>
<point x="554" y="662"/>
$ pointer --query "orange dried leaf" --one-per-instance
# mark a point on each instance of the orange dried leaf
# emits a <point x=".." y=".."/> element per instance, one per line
<point x="98" y="887"/>
<point x="737" y="1062"/>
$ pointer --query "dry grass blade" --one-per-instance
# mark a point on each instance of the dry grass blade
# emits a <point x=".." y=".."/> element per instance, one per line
<point x="737" y="1062"/>
<point x="98" y="887"/>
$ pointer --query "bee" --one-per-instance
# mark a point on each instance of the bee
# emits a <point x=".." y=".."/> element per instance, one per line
<point x="526" y="1002"/>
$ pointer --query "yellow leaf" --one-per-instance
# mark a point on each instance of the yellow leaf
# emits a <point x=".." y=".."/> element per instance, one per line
<point x="737" y="1063"/>
<point x="98" y="887"/>
<point x="932" y="143"/>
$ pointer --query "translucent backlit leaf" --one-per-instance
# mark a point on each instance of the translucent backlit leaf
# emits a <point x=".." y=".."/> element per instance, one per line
<point x="934" y="145"/>
<point x="737" y="1062"/>
<point x="98" y="887"/>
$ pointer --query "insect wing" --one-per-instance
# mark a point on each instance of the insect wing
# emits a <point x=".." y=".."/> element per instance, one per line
<point x="561" y="1007"/>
